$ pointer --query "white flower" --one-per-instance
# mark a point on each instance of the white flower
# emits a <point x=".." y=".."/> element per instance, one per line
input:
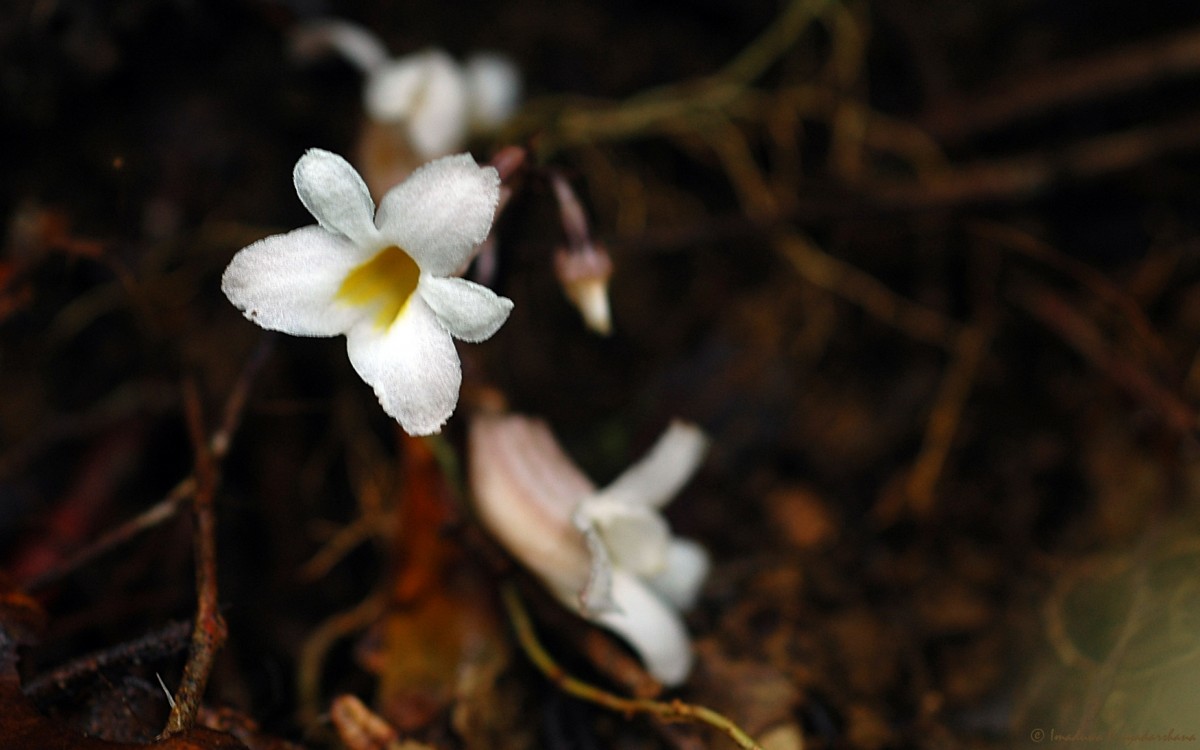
<point x="434" y="101"/>
<point x="425" y="92"/>
<point x="384" y="279"/>
<point x="438" y="101"/>
<point x="609" y="554"/>
<point x="494" y="90"/>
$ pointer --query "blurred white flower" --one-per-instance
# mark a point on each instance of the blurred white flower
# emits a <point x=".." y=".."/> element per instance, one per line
<point x="384" y="279"/>
<point x="434" y="101"/>
<point x="427" y="94"/>
<point x="606" y="554"/>
<point x="494" y="90"/>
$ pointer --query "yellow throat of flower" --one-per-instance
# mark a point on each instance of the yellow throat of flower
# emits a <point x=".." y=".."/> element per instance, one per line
<point x="385" y="282"/>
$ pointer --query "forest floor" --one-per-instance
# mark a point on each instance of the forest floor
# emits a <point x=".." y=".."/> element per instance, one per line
<point x="926" y="273"/>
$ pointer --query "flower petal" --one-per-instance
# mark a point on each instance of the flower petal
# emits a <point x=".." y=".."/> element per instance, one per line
<point x="494" y="84"/>
<point x="524" y="488"/>
<point x="469" y="311"/>
<point x="391" y="91"/>
<point x="680" y="580"/>
<point x="526" y="452"/>
<point x="635" y="536"/>
<point x="595" y="596"/>
<point x="651" y="626"/>
<point x="412" y="365"/>
<point x="662" y="472"/>
<point x="336" y="195"/>
<point x="362" y="48"/>
<point x="428" y="92"/>
<point x="438" y="123"/>
<point x="288" y="282"/>
<point x="441" y="212"/>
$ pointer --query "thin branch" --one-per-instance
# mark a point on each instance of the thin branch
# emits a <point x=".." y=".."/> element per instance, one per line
<point x="777" y="39"/>
<point x="209" y="631"/>
<point x="1056" y="86"/>
<point x="1081" y="334"/>
<point x="156" y="514"/>
<point x="317" y="645"/>
<point x="165" y="641"/>
<point x="169" y="506"/>
<point x="1015" y="240"/>
<point x="1022" y="177"/>
<point x="957" y="383"/>
<point x="235" y="405"/>
<point x="576" y="123"/>
<point x="836" y="276"/>
<point x="670" y="711"/>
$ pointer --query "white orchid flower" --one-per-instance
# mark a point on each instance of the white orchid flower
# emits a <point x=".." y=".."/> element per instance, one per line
<point x="606" y="554"/>
<point x="434" y="101"/>
<point x="384" y="279"/>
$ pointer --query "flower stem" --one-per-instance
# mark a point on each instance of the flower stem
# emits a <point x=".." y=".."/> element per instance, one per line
<point x="674" y="710"/>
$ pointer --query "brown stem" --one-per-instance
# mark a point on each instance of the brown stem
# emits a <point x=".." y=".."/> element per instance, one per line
<point x="163" y="642"/>
<point x="1081" y="334"/>
<point x="1111" y="73"/>
<point x="845" y="280"/>
<point x="1022" y="177"/>
<point x="166" y="508"/>
<point x="970" y="350"/>
<point x="209" y="631"/>
<point x="574" y="219"/>
<point x="156" y="514"/>
<point x="1015" y="240"/>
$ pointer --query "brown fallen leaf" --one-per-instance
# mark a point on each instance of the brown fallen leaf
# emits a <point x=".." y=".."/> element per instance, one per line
<point x="440" y="642"/>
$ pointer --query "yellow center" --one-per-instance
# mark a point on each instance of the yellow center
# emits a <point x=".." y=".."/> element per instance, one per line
<point x="385" y="282"/>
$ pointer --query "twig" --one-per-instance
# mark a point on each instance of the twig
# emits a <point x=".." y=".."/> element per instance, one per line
<point x="235" y="405"/>
<point x="1015" y="240"/>
<point x="836" y="276"/>
<point x="1021" y="177"/>
<point x="675" y="710"/>
<point x="1067" y="83"/>
<point x="344" y="541"/>
<point x="154" y="515"/>
<point x="1079" y="332"/>
<point x="318" y="643"/>
<point x="209" y="631"/>
<point x="163" y="642"/>
<point x="166" y="508"/>
<point x="777" y="39"/>
<point x="736" y="156"/>
<point x="945" y="416"/>
<point x="577" y="124"/>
